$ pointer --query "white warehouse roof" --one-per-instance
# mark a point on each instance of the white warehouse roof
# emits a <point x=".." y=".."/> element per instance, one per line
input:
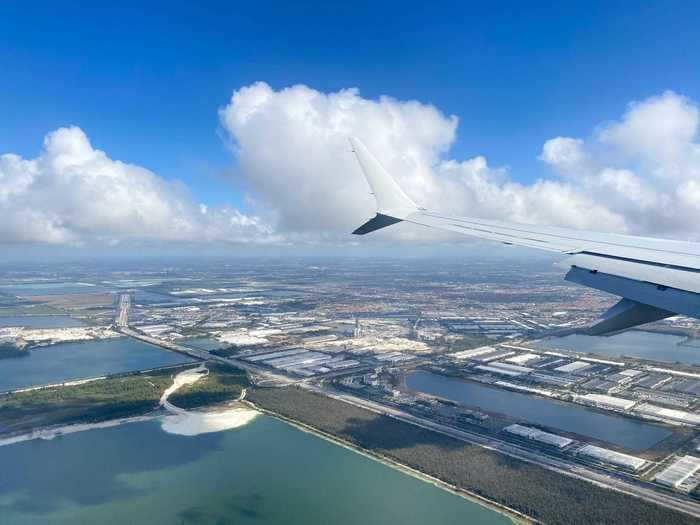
<point x="539" y="435"/>
<point x="573" y="367"/>
<point x="612" y="457"/>
<point x="681" y="416"/>
<point x="675" y="474"/>
<point x="466" y="354"/>
<point x="606" y="401"/>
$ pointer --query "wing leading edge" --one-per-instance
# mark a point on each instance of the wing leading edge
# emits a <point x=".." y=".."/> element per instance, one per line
<point x="655" y="278"/>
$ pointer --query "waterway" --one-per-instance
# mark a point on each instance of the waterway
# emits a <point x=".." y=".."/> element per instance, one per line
<point x="265" y="472"/>
<point x="634" y="343"/>
<point x="39" y="321"/>
<point x="70" y="361"/>
<point x="626" y="432"/>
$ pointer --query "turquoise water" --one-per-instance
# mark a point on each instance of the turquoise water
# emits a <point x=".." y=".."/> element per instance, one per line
<point x="69" y="361"/>
<point x="266" y="472"/>
<point x="39" y="321"/>
<point x="612" y="428"/>
<point x="635" y="343"/>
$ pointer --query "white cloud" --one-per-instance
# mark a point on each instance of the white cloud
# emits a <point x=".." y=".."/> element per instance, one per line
<point x="73" y="193"/>
<point x="639" y="175"/>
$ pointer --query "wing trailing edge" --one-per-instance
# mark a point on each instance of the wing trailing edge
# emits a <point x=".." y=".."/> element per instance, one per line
<point x="656" y="278"/>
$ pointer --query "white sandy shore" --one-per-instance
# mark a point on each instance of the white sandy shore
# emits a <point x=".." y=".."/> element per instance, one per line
<point x="50" y="433"/>
<point x="195" y="422"/>
<point x="182" y="422"/>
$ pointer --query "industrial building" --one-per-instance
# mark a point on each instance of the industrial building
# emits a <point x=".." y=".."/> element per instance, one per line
<point x="573" y="368"/>
<point x="492" y="356"/>
<point x="668" y="414"/>
<point x="612" y="457"/>
<point x="540" y="436"/>
<point x="600" y="385"/>
<point x="606" y="402"/>
<point x="469" y="354"/>
<point x="654" y="380"/>
<point x="522" y="359"/>
<point x="678" y="472"/>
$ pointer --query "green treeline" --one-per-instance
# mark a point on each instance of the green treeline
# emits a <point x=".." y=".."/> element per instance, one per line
<point x="223" y="383"/>
<point x="112" y="398"/>
<point x="533" y="490"/>
<point x="100" y="400"/>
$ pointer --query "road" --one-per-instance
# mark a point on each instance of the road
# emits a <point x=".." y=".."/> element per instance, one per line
<point x="639" y="489"/>
<point x="261" y="374"/>
<point x="122" y="319"/>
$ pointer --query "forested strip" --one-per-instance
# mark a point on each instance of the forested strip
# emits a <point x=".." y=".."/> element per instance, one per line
<point x="533" y="490"/>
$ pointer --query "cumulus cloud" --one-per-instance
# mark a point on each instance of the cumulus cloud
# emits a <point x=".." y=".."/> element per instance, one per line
<point x="636" y="175"/>
<point x="73" y="193"/>
<point x="639" y="174"/>
<point x="645" y="167"/>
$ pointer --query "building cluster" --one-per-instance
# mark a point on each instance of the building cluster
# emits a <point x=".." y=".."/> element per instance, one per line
<point x="636" y="389"/>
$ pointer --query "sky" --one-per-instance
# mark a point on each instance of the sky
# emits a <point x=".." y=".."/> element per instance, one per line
<point x="176" y="126"/>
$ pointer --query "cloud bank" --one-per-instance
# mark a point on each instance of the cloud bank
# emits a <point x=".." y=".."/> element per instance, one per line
<point x="639" y="174"/>
<point x="72" y="193"/>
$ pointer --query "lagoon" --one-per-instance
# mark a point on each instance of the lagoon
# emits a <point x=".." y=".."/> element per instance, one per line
<point x="619" y="430"/>
<point x="634" y="343"/>
<point x="264" y="473"/>
<point x="79" y="360"/>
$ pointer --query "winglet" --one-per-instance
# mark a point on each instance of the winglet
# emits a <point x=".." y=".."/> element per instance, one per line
<point x="393" y="205"/>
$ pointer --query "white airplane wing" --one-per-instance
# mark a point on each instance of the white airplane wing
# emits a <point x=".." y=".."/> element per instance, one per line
<point x="655" y="278"/>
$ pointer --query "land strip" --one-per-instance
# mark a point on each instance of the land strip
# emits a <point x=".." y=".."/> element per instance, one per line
<point x="527" y="488"/>
<point x="113" y="397"/>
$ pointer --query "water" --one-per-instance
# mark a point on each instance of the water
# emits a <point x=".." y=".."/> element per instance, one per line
<point x="263" y="473"/>
<point x="635" y="343"/>
<point x="39" y="321"/>
<point x="615" y="429"/>
<point x="69" y="361"/>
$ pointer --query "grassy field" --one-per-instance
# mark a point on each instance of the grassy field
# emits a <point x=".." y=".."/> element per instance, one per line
<point x="537" y="492"/>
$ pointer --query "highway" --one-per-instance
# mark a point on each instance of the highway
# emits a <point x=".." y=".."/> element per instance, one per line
<point x="638" y="489"/>
<point x="122" y="320"/>
<point x="262" y="375"/>
<point x="569" y="468"/>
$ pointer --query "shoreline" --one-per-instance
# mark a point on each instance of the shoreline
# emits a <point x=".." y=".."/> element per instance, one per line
<point x="512" y="514"/>
<point x="49" y="433"/>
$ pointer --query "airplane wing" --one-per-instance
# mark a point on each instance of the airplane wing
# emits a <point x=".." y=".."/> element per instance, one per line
<point x="655" y="278"/>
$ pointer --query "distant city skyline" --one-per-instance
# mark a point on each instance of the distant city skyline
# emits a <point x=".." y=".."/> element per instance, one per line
<point x="190" y="130"/>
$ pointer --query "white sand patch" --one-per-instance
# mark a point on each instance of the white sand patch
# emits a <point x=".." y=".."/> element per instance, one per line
<point x="195" y="422"/>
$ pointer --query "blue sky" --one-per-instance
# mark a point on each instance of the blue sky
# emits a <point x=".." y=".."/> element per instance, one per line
<point x="145" y="84"/>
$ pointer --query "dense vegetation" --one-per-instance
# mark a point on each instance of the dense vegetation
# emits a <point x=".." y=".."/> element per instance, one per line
<point x="115" y="397"/>
<point x="223" y="383"/>
<point x="545" y="495"/>
<point x="100" y="400"/>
